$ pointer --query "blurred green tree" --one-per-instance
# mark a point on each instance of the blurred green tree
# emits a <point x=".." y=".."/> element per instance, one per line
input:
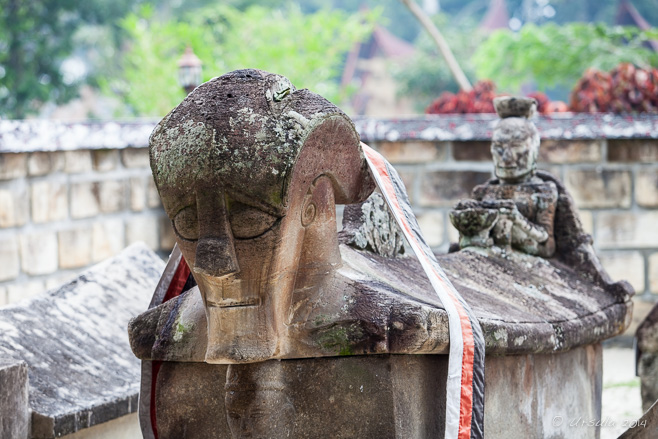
<point x="308" y="49"/>
<point x="551" y="55"/>
<point x="36" y="37"/>
<point x="427" y="75"/>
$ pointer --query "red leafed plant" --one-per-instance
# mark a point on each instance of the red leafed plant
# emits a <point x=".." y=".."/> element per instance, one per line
<point x="478" y="100"/>
<point x="626" y="89"/>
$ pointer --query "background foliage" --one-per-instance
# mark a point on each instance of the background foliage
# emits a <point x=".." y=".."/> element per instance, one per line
<point x="552" y="55"/>
<point x="307" y="48"/>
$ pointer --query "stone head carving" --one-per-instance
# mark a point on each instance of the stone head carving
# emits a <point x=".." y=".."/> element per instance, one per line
<point x="249" y="170"/>
<point x="515" y="142"/>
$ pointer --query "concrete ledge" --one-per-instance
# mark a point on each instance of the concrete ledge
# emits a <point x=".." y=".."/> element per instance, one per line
<point x="469" y="127"/>
<point x="74" y="341"/>
<point x="46" y="135"/>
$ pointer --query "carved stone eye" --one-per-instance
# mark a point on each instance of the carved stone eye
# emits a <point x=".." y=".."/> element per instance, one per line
<point x="249" y="222"/>
<point x="186" y="223"/>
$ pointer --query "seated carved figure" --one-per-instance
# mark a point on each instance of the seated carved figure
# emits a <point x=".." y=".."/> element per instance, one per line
<point x="518" y="208"/>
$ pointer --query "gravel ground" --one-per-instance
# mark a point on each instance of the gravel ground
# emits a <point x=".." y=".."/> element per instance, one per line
<point x="622" y="403"/>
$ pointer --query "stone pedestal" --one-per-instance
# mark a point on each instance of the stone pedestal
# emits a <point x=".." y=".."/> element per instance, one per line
<point x="378" y="396"/>
<point x="14" y="413"/>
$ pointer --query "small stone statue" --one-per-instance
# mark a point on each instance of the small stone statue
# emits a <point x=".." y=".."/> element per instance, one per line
<point x="516" y="210"/>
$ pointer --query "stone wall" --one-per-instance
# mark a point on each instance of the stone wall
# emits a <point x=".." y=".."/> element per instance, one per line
<point x="71" y="196"/>
<point x="608" y="163"/>
<point x="74" y="194"/>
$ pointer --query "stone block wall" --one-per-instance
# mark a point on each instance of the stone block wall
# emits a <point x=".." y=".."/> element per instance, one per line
<point x="610" y="167"/>
<point x="67" y="203"/>
<point x="74" y="194"/>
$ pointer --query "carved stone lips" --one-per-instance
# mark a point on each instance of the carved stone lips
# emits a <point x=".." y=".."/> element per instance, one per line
<point x="233" y="303"/>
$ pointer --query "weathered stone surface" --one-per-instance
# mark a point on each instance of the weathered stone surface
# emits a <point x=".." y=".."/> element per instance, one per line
<point x="105" y="159"/>
<point x="517" y="209"/>
<point x="387" y="396"/>
<point x="108" y="238"/>
<point x="571" y="151"/>
<point x="75" y="247"/>
<point x="445" y="188"/>
<point x="625" y="265"/>
<point x="471" y="151"/>
<point x="413" y="152"/>
<point x="350" y="397"/>
<point x="50" y="135"/>
<point x="135" y="157"/>
<point x="13" y="166"/>
<point x="76" y="162"/>
<point x="598" y="188"/>
<point x="466" y="127"/>
<point x="370" y="225"/>
<point x="4" y="300"/>
<point x="653" y="273"/>
<point x="81" y="371"/>
<point x="9" y="259"/>
<point x="14" y="412"/>
<point x="137" y="193"/>
<point x="85" y="201"/>
<point x="111" y="195"/>
<point x="143" y="228"/>
<point x="49" y="201"/>
<point x="627" y="229"/>
<point x="647" y="346"/>
<point x="39" y="252"/>
<point x="540" y="386"/>
<point x="14" y="204"/>
<point x="646" y="187"/>
<point x="646" y="427"/>
<point x="632" y="150"/>
<point x="647" y="366"/>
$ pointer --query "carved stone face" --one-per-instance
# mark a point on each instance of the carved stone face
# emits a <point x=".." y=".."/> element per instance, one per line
<point x="259" y="414"/>
<point x="236" y="253"/>
<point x="514" y="148"/>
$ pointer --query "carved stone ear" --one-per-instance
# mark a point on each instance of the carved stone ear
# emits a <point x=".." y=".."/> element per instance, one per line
<point x="309" y="209"/>
<point x="332" y="148"/>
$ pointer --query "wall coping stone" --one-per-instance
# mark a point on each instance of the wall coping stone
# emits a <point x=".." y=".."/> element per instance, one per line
<point x="474" y="127"/>
<point x="75" y="343"/>
<point x="35" y="135"/>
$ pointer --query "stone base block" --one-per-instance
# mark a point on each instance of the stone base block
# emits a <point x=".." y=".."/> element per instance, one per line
<point x="379" y="396"/>
<point x="14" y="419"/>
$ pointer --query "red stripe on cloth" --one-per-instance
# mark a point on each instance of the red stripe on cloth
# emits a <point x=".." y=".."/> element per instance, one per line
<point x="155" y="368"/>
<point x="174" y="290"/>
<point x="468" y="356"/>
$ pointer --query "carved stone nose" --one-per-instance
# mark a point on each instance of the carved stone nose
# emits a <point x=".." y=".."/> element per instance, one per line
<point x="216" y="257"/>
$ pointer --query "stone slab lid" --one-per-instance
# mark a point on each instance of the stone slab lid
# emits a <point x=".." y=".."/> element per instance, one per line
<point x="74" y="341"/>
<point x="525" y="304"/>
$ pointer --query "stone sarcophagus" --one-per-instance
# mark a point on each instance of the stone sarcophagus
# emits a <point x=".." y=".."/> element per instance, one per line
<point x="268" y="323"/>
